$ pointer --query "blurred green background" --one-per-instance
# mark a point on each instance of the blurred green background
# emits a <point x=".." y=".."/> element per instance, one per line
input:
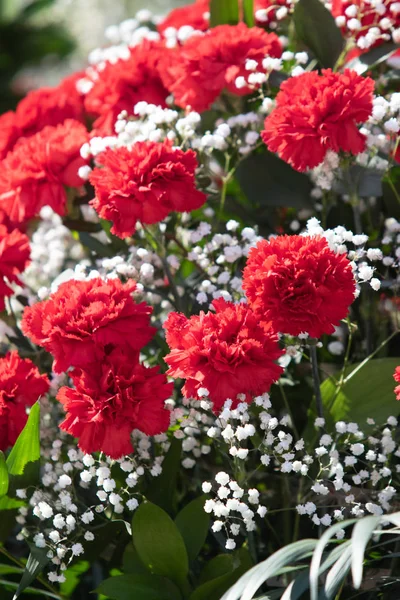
<point x="43" y="40"/>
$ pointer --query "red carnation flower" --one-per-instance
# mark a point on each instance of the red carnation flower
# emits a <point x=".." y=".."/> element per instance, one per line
<point x="316" y="113"/>
<point x="298" y="284"/>
<point x="396" y="377"/>
<point x="36" y="172"/>
<point x="144" y="183"/>
<point x="42" y="107"/>
<point x="21" y="385"/>
<point x="196" y="15"/>
<point x="110" y="400"/>
<point x="9" y="132"/>
<point x="197" y="72"/>
<point x="226" y="352"/>
<point x="121" y="85"/>
<point x="50" y="106"/>
<point x="83" y="320"/>
<point x="14" y="257"/>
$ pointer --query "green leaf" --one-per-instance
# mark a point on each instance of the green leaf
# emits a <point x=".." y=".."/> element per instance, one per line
<point x="11" y="585"/>
<point x="94" y="245"/>
<point x="214" y="588"/>
<point x="266" y="180"/>
<point x="8" y="511"/>
<point x="318" y="552"/>
<point x="220" y="565"/>
<point x="162" y="490"/>
<point x="338" y="574"/>
<point x="298" y="586"/>
<point x="360" y="537"/>
<point x="224" y="12"/>
<point x="108" y="536"/>
<point x="316" y="28"/>
<point x="3" y="475"/>
<point x="248" y="12"/>
<point x="193" y="523"/>
<point x="159" y="543"/>
<point x="73" y="576"/>
<point x="131" y="563"/>
<point x="143" y="587"/>
<point x="357" y="399"/>
<point x="36" y="562"/>
<point x="251" y="581"/>
<point x="367" y="182"/>
<point x="23" y="460"/>
<point x="34" y="7"/>
<point x="10" y="569"/>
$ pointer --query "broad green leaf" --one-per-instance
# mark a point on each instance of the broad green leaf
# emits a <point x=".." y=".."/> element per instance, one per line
<point x="3" y="475"/>
<point x="162" y="490"/>
<point x="131" y="563"/>
<point x="266" y="180"/>
<point x="360" y="537"/>
<point x="7" y="503"/>
<point x="23" y="460"/>
<point x="224" y="12"/>
<point x="34" y="7"/>
<point x="369" y="393"/>
<point x="8" y="512"/>
<point x="94" y="245"/>
<point x="218" y="566"/>
<point x="365" y="182"/>
<point x="316" y="28"/>
<point x="142" y="587"/>
<point x="193" y="523"/>
<point x="36" y="562"/>
<point x="214" y="588"/>
<point x="159" y="543"/>
<point x="73" y="576"/>
<point x="248" y="12"/>
<point x="107" y="537"/>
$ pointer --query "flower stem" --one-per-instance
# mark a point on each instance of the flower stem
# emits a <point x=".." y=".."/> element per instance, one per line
<point x="316" y="380"/>
<point x="287" y="406"/>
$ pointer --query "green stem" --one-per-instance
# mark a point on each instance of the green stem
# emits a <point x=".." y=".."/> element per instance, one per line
<point x="287" y="500"/>
<point x="366" y="360"/>
<point x="316" y="380"/>
<point x="342" y="56"/>
<point x="345" y="363"/>
<point x="161" y="249"/>
<point x="393" y="188"/>
<point x="287" y="406"/>
<point x="297" y="517"/>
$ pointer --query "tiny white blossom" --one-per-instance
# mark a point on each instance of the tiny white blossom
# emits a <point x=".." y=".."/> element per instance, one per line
<point x="77" y="549"/>
<point x="230" y="544"/>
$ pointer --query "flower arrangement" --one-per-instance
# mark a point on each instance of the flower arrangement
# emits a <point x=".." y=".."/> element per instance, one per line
<point x="199" y="276"/>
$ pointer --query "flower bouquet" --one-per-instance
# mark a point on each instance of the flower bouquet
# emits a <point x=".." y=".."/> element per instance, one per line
<point x="199" y="276"/>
